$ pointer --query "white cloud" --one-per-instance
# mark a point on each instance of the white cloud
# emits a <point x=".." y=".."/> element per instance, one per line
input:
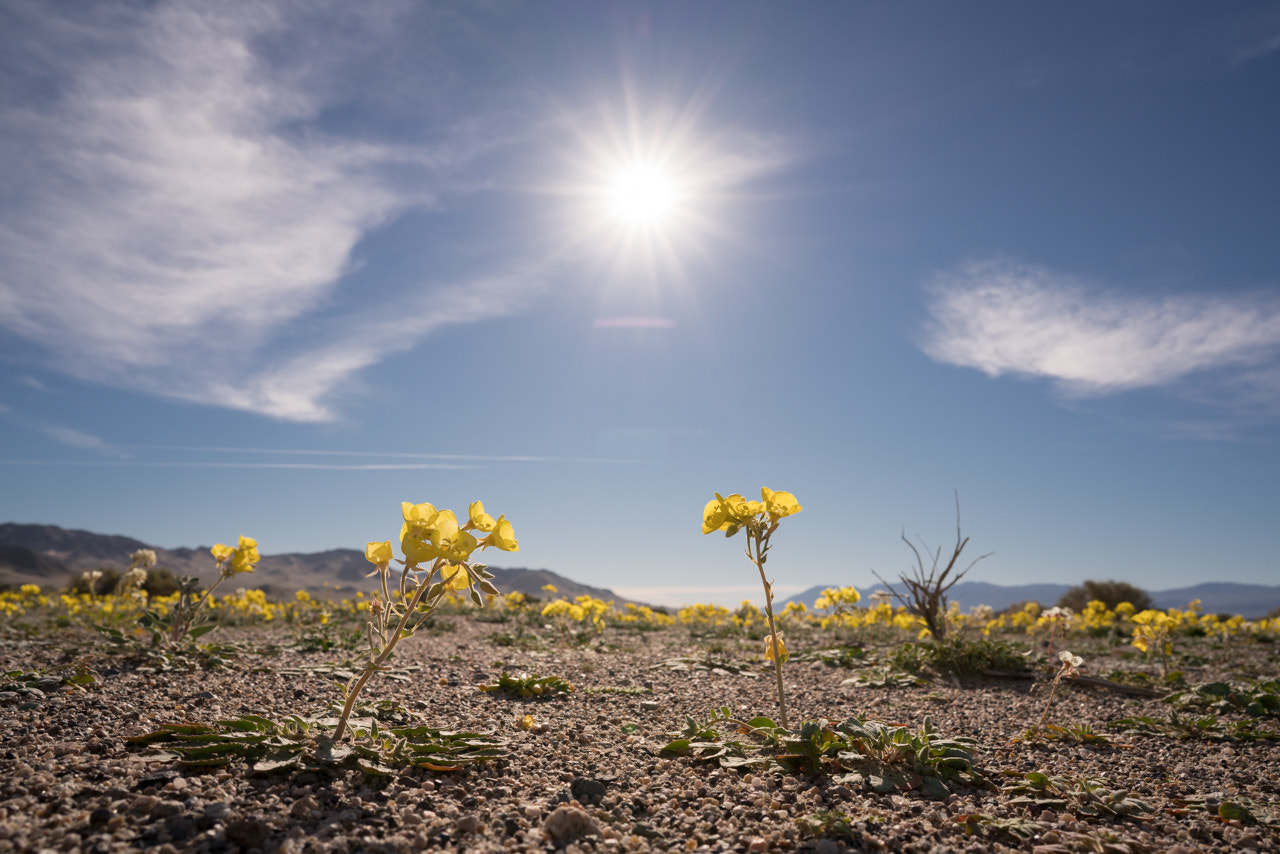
<point x="173" y="209"/>
<point x="75" y="439"/>
<point x="1005" y="318"/>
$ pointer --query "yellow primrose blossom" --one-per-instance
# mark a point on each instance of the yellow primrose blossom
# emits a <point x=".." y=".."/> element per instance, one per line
<point x="779" y="504"/>
<point x="379" y="554"/>
<point x="502" y="537"/>
<point x="222" y="552"/>
<point x="774" y="648"/>
<point x="480" y="520"/>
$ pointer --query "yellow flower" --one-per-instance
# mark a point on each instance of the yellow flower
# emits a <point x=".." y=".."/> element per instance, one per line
<point x="480" y="520"/>
<point x="503" y="536"/>
<point x="775" y="649"/>
<point x="451" y="542"/>
<point x="378" y="553"/>
<point x="245" y="556"/>
<point x="715" y="516"/>
<point x="417" y="549"/>
<point x="454" y="578"/>
<point x="222" y="552"/>
<point x="779" y="504"/>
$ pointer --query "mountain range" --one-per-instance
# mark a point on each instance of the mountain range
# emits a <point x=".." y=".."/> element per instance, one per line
<point x="1216" y="597"/>
<point x="51" y="557"/>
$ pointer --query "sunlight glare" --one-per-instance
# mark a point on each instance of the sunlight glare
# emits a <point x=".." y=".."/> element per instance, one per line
<point x="643" y="195"/>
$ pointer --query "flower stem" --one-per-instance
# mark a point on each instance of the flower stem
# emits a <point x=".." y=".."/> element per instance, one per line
<point x="757" y="559"/>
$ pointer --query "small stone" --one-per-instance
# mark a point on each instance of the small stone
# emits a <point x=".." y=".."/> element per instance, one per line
<point x="7" y="697"/>
<point x="164" y="809"/>
<point x="586" y="790"/>
<point x="248" y="832"/>
<point x="532" y="811"/>
<point x="467" y="824"/>
<point x="758" y="845"/>
<point x="650" y="705"/>
<point x="101" y="815"/>
<point x="568" y="824"/>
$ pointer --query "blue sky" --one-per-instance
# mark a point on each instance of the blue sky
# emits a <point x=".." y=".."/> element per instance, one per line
<point x="274" y="268"/>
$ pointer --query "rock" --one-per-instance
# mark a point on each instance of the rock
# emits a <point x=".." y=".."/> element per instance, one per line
<point x="467" y="824"/>
<point x="586" y="790"/>
<point x="248" y="832"/>
<point x="568" y="824"/>
<point x="164" y="809"/>
<point x="217" y="809"/>
<point x="101" y="815"/>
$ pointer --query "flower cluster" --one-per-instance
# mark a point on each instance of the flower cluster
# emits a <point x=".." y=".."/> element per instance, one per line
<point x="231" y="561"/>
<point x="734" y="513"/>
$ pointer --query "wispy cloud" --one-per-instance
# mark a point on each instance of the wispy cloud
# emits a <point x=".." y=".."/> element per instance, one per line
<point x="1005" y="318"/>
<point x="174" y="207"/>
<point x="207" y="464"/>
<point x="75" y="439"/>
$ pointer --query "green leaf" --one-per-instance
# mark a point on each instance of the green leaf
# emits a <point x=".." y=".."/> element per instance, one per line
<point x="1233" y="811"/>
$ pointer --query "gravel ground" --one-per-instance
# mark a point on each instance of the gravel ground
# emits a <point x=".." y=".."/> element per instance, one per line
<point x="590" y="776"/>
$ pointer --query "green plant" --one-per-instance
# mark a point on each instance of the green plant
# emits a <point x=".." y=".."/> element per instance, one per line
<point x="1082" y="795"/>
<point x="960" y="656"/>
<point x="1207" y="727"/>
<point x="1109" y="593"/>
<point x="529" y="686"/>
<point x="926" y="595"/>
<point x="878" y="756"/>
<point x="271" y="746"/>
<point x="188" y="619"/>
<point x="432" y="537"/>
<point x="760" y="520"/>
<point x="1069" y="669"/>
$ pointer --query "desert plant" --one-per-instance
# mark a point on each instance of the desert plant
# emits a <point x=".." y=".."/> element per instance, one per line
<point x="189" y="619"/>
<point x="1109" y="593"/>
<point x="926" y="590"/>
<point x="760" y="520"/>
<point x="434" y="538"/>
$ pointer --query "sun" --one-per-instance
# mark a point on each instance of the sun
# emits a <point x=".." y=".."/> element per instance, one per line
<point x="643" y="195"/>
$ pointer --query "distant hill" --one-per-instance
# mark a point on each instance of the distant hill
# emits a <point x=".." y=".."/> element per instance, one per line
<point x="20" y="565"/>
<point x="1249" y="600"/>
<point x="51" y="557"/>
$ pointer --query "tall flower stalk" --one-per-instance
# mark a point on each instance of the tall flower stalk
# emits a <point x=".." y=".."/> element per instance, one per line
<point x="437" y="560"/>
<point x="759" y="519"/>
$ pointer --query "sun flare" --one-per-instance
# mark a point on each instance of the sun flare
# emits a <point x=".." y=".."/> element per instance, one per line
<point x="643" y="195"/>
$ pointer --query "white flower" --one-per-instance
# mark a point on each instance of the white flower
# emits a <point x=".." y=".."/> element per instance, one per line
<point x="145" y="558"/>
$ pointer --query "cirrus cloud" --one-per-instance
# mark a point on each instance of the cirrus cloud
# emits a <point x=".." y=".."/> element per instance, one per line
<point x="1006" y="318"/>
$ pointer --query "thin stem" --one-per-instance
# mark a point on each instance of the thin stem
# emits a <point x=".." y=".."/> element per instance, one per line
<point x="773" y="629"/>
<point x="389" y="644"/>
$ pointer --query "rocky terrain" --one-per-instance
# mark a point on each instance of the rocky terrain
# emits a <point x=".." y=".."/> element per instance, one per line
<point x="586" y="771"/>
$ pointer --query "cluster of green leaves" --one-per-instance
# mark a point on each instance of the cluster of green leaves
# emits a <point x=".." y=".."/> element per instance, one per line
<point x="832" y="824"/>
<point x="877" y="756"/>
<point x="1082" y="795"/>
<point x="187" y="655"/>
<point x="839" y="656"/>
<point x="1261" y="699"/>
<point x="1236" y="808"/>
<point x="1015" y="827"/>
<point x="328" y="637"/>
<point x="629" y="690"/>
<point x="708" y="664"/>
<point x="883" y="678"/>
<point x="304" y="743"/>
<point x="1207" y="727"/>
<point x="530" y="686"/>
<point x="961" y="657"/>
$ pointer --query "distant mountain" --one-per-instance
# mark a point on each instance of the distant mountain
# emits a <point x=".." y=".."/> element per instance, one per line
<point x="19" y="565"/>
<point x="1249" y="600"/>
<point x="51" y="557"/>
